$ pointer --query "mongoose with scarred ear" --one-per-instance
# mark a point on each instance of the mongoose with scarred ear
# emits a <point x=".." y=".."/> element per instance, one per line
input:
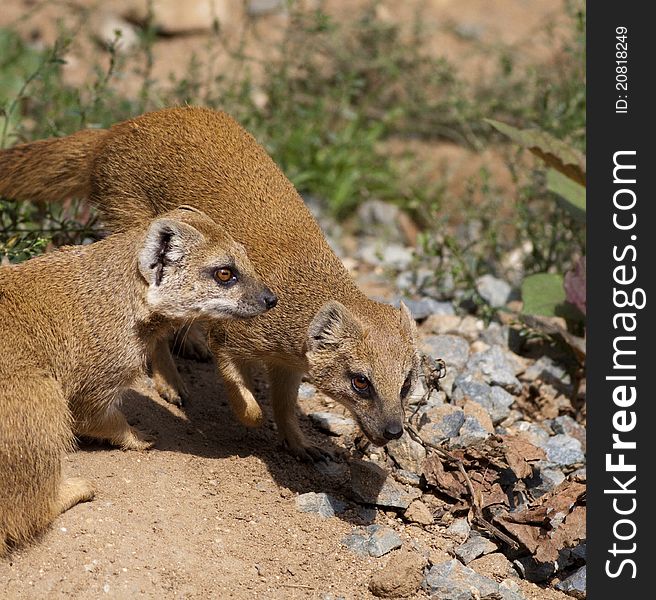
<point x="76" y="326"/>
<point x="360" y="352"/>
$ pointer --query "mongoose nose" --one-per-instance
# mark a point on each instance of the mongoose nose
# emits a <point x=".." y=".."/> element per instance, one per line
<point x="393" y="431"/>
<point x="270" y="299"/>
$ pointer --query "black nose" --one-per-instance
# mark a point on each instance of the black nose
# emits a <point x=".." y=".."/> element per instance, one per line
<point x="269" y="299"/>
<point x="393" y="431"/>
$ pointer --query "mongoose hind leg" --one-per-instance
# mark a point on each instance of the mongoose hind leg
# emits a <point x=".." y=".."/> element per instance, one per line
<point x="72" y="491"/>
<point x="110" y="425"/>
<point x="284" y="384"/>
<point x="165" y="375"/>
<point x="238" y="386"/>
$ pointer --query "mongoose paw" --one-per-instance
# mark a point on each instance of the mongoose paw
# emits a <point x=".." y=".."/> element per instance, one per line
<point x="309" y="453"/>
<point x="178" y="397"/>
<point x="250" y="414"/>
<point x="136" y="440"/>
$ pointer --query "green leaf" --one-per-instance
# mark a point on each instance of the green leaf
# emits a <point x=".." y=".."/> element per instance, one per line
<point x="571" y="192"/>
<point x="544" y="294"/>
<point x="553" y="152"/>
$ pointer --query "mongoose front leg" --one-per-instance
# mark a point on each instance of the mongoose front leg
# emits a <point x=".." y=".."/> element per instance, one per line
<point x="284" y="384"/>
<point x="165" y="376"/>
<point x="110" y="424"/>
<point x="72" y="491"/>
<point x="238" y="386"/>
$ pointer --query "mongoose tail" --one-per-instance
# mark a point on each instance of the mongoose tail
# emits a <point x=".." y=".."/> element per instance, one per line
<point x="50" y="170"/>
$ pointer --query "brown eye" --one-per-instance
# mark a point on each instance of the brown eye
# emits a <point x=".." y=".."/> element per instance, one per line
<point x="223" y="275"/>
<point x="360" y="384"/>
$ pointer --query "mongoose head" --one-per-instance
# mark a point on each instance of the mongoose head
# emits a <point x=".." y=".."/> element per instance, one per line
<point x="364" y="366"/>
<point x="194" y="270"/>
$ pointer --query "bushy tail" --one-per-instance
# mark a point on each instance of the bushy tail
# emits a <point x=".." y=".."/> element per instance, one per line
<point x="35" y="432"/>
<point x="50" y="170"/>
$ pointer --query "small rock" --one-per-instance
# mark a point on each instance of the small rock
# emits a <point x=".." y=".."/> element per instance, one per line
<point x="407" y="453"/>
<point x="400" y="577"/>
<point x="407" y="477"/>
<point x="495" y="400"/>
<point x="565" y="424"/>
<point x="391" y="255"/>
<point x="452" y="349"/>
<point x="306" y="391"/>
<point x="425" y="307"/>
<point x="476" y="410"/>
<point x="564" y="450"/>
<point x="450" y="580"/>
<point x="496" y="368"/>
<point x="372" y="485"/>
<point x="532" y="570"/>
<point x="509" y="590"/>
<point x="532" y="433"/>
<point x="472" y="433"/>
<point x="496" y="334"/>
<point x="495" y="564"/>
<point x="546" y="369"/>
<point x="440" y="324"/>
<point x="475" y="546"/>
<point x="544" y="479"/>
<point x="494" y="291"/>
<point x="319" y="503"/>
<point x="574" y="585"/>
<point x="332" y="423"/>
<point x="373" y="540"/>
<point x="418" y="512"/>
<point x="257" y="8"/>
<point x="439" y="423"/>
<point x="459" y="530"/>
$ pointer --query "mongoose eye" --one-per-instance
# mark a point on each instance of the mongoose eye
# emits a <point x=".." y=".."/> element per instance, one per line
<point x="224" y="275"/>
<point x="360" y="384"/>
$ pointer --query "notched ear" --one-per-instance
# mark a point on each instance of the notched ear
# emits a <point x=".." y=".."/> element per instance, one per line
<point x="332" y="324"/>
<point x="167" y="242"/>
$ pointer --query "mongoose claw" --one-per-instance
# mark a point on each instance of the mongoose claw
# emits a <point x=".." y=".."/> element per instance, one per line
<point x="170" y="394"/>
<point x="310" y="454"/>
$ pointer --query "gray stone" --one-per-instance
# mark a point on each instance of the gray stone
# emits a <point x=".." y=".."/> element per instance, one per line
<point x="257" y="8"/>
<point x="546" y="369"/>
<point x="496" y="334"/>
<point x="475" y="546"/>
<point x="452" y="581"/>
<point x="373" y="540"/>
<point x="452" y="349"/>
<point x="306" y="391"/>
<point x="509" y="590"/>
<point x="574" y="585"/>
<point x="371" y="484"/>
<point x="496" y="368"/>
<point x="532" y="570"/>
<point x="495" y="400"/>
<point x="321" y="504"/>
<point x="332" y="423"/>
<point x="471" y="433"/>
<point x="494" y="291"/>
<point x="425" y="307"/>
<point x="544" y="479"/>
<point x="390" y="255"/>
<point x="439" y="423"/>
<point x="407" y="477"/>
<point x="564" y="450"/>
<point x="565" y="424"/>
<point x="533" y="433"/>
<point x="459" y="529"/>
<point x="406" y="453"/>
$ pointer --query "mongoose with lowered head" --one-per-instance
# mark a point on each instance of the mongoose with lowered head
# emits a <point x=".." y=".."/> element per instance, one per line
<point x="360" y="352"/>
<point x="76" y="326"/>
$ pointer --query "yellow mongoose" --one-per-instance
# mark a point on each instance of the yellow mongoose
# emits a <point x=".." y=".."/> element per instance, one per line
<point x="76" y="326"/>
<point x="360" y="352"/>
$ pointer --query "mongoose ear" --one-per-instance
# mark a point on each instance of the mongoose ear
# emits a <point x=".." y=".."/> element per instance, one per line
<point x="166" y="243"/>
<point x="331" y="325"/>
<point x="407" y="320"/>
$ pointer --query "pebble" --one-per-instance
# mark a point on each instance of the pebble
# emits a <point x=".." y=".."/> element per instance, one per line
<point x="373" y="540"/>
<point x="452" y="349"/>
<point x="564" y="450"/>
<point x="509" y="590"/>
<point x="475" y="546"/>
<point x="321" y="504"/>
<point x="332" y="423"/>
<point x="565" y="424"/>
<point x="439" y="423"/>
<point x="493" y="290"/>
<point x="574" y="585"/>
<point x="495" y="563"/>
<point x="407" y="477"/>
<point x="425" y="307"/>
<point x="459" y="529"/>
<point x="306" y="391"/>
<point x="496" y="368"/>
<point x="472" y="433"/>
<point x="544" y="479"/>
<point x="419" y="513"/>
<point x="451" y="580"/>
<point x="371" y="484"/>
<point x="401" y="576"/>
<point x="546" y="369"/>
<point x="495" y="400"/>
<point x="407" y="453"/>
